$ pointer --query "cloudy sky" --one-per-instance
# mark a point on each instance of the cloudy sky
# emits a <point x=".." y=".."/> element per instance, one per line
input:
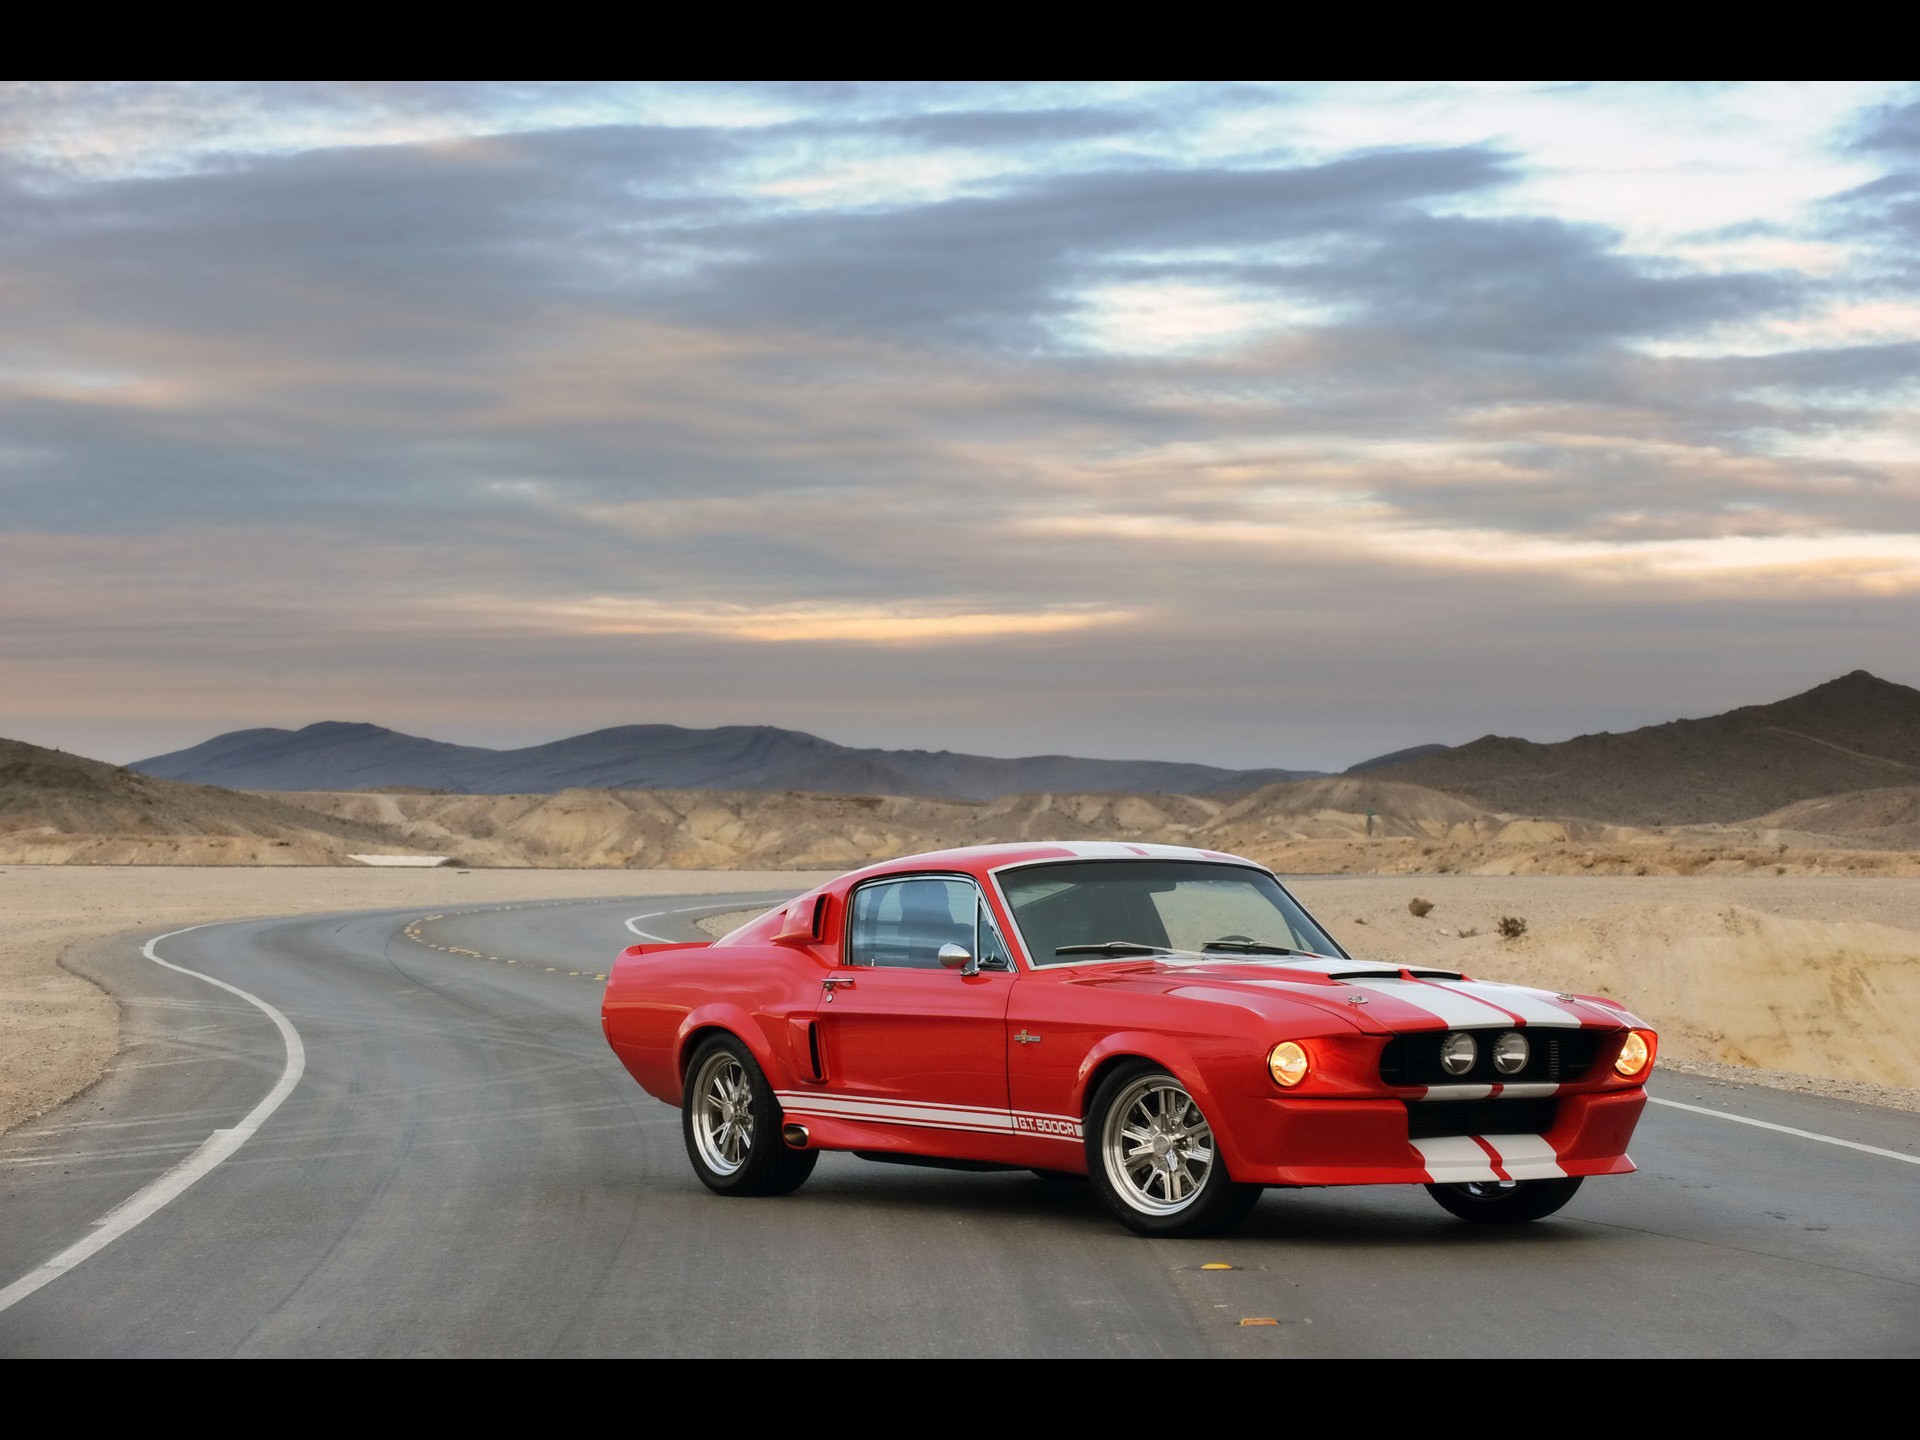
<point x="1255" y="425"/>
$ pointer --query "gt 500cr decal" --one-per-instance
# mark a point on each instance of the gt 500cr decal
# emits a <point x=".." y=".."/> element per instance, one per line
<point x="928" y="1114"/>
<point x="1048" y="1125"/>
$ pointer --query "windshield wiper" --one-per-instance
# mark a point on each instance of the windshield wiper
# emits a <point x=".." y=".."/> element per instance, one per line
<point x="1251" y="947"/>
<point x="1110" y="947"/>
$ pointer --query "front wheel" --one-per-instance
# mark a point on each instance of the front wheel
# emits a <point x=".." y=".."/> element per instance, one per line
<point x="731" y="1123"/>
<point x="1152" y="1160"/>
<point x="1505" y="1202"/>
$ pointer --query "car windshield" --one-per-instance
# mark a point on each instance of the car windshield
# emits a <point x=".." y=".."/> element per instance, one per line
<point x="1091" y="909"/>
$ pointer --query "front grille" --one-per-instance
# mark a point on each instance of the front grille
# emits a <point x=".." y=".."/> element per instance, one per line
<point x="1556" y="1054"/>
<point x="1427" y="1120"/>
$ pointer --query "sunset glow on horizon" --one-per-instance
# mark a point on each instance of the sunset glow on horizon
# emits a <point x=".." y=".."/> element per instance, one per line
<point x="1253" y="425"/>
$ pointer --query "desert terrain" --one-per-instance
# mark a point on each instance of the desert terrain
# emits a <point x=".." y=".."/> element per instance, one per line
<point x="1807" y="982"/>
<point x="1749" y="882"/>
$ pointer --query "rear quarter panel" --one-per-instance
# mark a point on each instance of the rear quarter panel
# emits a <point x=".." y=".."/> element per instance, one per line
<point x="660" y="999"/>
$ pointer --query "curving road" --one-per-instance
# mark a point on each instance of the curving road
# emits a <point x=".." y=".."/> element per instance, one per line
<point x="459" y="1167"/>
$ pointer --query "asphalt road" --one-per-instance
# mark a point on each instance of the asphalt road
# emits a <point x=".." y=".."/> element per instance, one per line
<point x="462" y="1168"/>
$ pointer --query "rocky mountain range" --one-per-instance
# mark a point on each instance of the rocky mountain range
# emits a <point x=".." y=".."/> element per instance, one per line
<point x="1858" y="732"/>
<point x="1827" y="781"/>
<point x="333" y="755"/>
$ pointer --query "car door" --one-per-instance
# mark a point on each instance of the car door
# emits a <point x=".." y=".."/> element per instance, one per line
<point x="910" y="1043"/>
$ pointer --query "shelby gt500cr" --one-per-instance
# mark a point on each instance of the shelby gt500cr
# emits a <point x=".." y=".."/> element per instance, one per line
<point x="1171" y="1023"/>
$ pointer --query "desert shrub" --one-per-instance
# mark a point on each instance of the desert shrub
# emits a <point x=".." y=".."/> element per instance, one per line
<point x="1467" y="932"/>
<point x="1512" y="927"/>
<point x="1358" y="921"/>
<point x="1419" y="908"/>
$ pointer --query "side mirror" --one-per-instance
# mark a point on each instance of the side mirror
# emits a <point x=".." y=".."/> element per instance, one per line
<point x="956" y="957"/>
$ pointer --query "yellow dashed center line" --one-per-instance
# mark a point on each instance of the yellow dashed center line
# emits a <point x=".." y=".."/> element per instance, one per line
<point x="413" y="932"/>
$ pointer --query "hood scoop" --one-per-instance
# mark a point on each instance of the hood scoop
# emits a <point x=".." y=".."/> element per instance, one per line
<point x="1312" y="970"/>
<point x="1393" y="972"/>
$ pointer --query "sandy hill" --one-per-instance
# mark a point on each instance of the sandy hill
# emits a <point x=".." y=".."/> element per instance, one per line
<point x="1855" y="733"/>
<point x="699" y="829"/>
<point x="1336" y="807"/>
<point x="336" y="756"/>
<point x="1879" y="819"/>
<point x="57" y="807"/>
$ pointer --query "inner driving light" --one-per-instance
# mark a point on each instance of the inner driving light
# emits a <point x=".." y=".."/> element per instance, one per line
<point x="1288" y="1063"/>
<point x="1458" y="1052"/>
<point x="1510" y="1053"/>
<point x="1636" y="1054"/>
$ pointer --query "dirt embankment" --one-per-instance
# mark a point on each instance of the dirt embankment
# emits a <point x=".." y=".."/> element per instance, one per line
<point x="1814" y="976"/>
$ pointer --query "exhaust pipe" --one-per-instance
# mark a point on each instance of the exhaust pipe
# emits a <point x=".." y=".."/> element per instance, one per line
<point x="794" y="1135"/>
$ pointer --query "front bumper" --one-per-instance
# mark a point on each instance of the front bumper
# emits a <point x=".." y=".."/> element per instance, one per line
<point x="1302" y="1141"/>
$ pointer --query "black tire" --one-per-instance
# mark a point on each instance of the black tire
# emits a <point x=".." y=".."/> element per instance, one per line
<point x="1159" y="1193"/>
<point x="1511" y="1203"/>
<point x="731" y="1124"/>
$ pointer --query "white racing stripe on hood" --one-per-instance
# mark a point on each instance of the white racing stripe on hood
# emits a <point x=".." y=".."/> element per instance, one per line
<point x="1450" y="1006"/>
<point x="1532" y="1006"/>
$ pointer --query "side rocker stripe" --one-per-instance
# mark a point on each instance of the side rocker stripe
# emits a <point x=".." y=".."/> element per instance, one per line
<point x="931" y="1116"/>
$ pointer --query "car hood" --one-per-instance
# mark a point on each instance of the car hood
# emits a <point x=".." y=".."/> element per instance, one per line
<point x="1374" y="996"/>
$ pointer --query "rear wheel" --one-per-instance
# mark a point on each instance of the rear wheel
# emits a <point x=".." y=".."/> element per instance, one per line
<point x="731" y="1123"/>
<point x="1152" y="1159"/>
<point x="1504" y="1202"/>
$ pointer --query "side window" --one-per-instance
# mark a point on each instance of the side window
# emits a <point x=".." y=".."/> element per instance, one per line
<point x="903" y="923"/>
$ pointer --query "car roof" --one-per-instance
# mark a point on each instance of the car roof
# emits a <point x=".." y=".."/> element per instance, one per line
<point x="984" y="859"/>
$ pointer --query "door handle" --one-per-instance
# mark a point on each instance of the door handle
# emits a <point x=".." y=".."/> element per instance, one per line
<point x="832" y="984"/>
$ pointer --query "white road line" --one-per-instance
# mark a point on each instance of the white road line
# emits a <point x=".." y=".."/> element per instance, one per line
<point x="144" y="1203"/>
<point x="683" y="910"/>
<point x="1787" y="1130"/>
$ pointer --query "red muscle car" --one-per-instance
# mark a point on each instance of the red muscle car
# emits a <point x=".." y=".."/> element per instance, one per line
<point x="1170" y="1023"/>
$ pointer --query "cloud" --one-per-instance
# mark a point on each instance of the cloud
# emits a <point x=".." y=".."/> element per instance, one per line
<point x="1893" y="128"/>
<point x="1020" y="127"/>
<point x="1059" y="397"/>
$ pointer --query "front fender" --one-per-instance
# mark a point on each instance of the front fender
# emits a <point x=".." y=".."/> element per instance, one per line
<point x="1171" y="1055"/>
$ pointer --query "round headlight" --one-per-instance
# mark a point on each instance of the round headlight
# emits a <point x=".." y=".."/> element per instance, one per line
<point x="1288" y="1063"/>
<point x="1510" y="1053"/>
<point x="1458" y="1052"/>
<point x="1635" y="1055"/>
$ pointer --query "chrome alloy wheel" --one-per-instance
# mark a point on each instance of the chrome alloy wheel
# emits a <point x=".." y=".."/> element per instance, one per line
<point x="1157" y="1146"/>
<point x="723" y="1113"/>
